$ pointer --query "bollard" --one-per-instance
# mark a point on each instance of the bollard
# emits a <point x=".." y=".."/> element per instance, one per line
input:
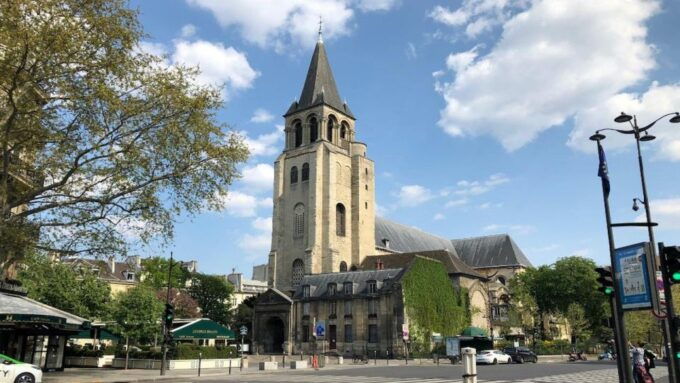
<point x="229" y="366"/>
<point x="437" y="357"/>
<point x="200" y="357"/>
<point x="284" y="361"/>
<point x="470" y="365"/>
<point x="300" y="355"/>
<point x="241" y="364"/>
<point x="387" y="357"/>
<point x="375" y="357"/>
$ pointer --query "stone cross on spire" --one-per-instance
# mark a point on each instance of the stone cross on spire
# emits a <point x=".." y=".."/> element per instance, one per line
<point x="320" y="30"/>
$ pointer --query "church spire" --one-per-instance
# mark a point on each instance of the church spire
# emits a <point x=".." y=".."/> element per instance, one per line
<point x="320" y="85"/>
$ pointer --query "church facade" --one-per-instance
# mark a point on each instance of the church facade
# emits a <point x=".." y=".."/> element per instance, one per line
<point x="326" y="239"/>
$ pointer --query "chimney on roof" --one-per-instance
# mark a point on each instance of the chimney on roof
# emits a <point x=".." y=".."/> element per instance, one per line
<point x="386" y="243"/>
<point x="112" y="265"/>
<point x="379" y="265"/>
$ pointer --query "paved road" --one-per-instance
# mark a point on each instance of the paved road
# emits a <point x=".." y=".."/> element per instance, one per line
<point x="591" y="372"/>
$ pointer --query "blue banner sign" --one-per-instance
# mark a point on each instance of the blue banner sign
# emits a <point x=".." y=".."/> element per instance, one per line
<point x="632" y="277"/>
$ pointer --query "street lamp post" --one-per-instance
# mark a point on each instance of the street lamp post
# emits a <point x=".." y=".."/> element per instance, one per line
<point x="641" y="134"/>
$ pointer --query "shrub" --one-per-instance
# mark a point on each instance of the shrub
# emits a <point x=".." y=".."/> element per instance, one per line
<point x="191" y="351"/>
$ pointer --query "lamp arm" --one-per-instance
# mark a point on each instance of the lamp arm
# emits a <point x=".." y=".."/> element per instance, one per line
<point x="646" y="127"/>
<point x="616" y="130"/>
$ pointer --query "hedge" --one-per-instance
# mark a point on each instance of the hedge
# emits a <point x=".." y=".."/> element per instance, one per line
<point x="181" y="352"/>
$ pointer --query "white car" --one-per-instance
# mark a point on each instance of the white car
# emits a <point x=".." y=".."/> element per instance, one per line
<point x="493" y="357"/>
<point x="14" y="371"/>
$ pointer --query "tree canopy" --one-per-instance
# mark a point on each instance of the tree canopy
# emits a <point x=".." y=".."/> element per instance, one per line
<point x="131" y="320"/>
<point x="155" y="273"/>
<point x="59" y="285"/>
<point x="212" y="293"/>
<point x="100" y="142"/>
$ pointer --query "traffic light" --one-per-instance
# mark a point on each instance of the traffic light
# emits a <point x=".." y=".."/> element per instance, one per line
<point x="169" y="315"/>
<point x="672" y="263"/>
<point x="606" y="280"/>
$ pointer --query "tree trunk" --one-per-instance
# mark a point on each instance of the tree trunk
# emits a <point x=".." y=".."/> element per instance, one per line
<point x="127" y="351"/>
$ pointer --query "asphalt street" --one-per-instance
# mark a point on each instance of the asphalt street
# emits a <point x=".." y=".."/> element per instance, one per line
<point x="591" y="372"/>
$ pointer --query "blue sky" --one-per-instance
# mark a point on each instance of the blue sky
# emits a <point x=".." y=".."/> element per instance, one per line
<point x="476" y="112"/>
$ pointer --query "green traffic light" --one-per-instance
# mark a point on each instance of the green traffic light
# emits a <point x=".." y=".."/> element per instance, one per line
<point x="677" y="355"/>
<point x="676" y="276"/>
<point x="608" y="290"/>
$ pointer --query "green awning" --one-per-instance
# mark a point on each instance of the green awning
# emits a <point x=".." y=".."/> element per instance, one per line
<point x="474" y="331"/>
<point x="101" y="333"/>
<point x="202" y="329"/>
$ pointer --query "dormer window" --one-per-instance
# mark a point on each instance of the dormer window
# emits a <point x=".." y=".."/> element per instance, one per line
<point x="348" y="288"/>
<point x="129" y="276"/>
<point x="95" y="271"/>
<point x="305" y="291"/>
<point x="372" y="287"/>
<point x="332" y="289"/>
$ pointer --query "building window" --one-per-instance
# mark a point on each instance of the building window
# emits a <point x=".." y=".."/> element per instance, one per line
<point x="348" y="334"/>
<point x="299" y="228"/>
<point x="343" y="266"/>
<point x="298" y="134"/>
<point x="329" y="129"/>
<point x="372" y="333"/>
<point x="348" y="307"/>
<point x="313" y="130"/>
<point x="340" y="220"/>
<point x="372" y="287"/>
<point x="293" y="175"/>
<point x="366" y="205"/>
<point x="305" y="293"/>
<point x="305" y="307"/>
<point x="332" y="289"/>
<point x="372" y="307"/>
<point x="332" y="308"/>
<point x="501" y="280"/>
<point x="343" y="131"/>
<point x="298" y="272"/>
<point x="348" y="288"/>
<point x="130" y="276"/>
<point x="305" y="333"/>
<point x="305" y="172"/>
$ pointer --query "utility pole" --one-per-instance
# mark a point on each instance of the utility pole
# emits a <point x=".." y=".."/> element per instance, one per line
<point x="166" y="328"/>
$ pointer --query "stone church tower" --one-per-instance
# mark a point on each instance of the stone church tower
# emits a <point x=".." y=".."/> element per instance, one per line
<point x="324" y="186"/>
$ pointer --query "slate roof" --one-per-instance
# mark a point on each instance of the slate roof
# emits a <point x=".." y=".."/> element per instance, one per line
<point x="14" y="304"/>
<point x="319" y="85"/>
<point x="451" y="262"/>
<point x="405" y="239"/>
<point x="491" y="251"/>
<point x="105" y="272"/>
<point x="359" y="278"/>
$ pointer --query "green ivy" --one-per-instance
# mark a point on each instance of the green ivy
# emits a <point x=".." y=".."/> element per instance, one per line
<point x="432" y="304"/>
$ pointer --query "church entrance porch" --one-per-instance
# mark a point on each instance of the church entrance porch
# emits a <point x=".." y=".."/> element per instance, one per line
<point x="272" y="332"/>
<point x="274" y="338"/>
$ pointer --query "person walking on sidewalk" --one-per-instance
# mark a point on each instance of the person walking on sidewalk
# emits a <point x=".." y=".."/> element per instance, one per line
<point x="640" y="373"/>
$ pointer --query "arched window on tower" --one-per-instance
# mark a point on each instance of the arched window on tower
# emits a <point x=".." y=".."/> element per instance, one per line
<point x="343" y="131"/>
<point x="329" y="129"/>
<point x="340" y="220"/>
<point x="298" y="272"/>
<point x="305" y="172"/>
<point x="313" y="130"/>
<point x="343" y="266"/>
<point x="293" y="175"/>
<point x="299" y="224"/>
<point x="298" y="134"/>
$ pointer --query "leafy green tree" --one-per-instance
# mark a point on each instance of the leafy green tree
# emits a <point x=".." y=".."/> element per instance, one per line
<point x="578" y="323"/>
<point x="109" y="141"/>
<point x="59" y="285"/>
<point x="137" y="314"/>
<point x="155" y="273"/>
<point x="243" y="316"/>
<point x="185" y="305"/>
<point x="212" y="294"/>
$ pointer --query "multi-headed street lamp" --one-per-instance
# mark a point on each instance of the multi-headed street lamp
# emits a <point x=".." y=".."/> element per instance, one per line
<point x="641" y="134"/>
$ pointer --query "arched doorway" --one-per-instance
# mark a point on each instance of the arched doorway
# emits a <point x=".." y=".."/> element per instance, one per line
<point x="273" y="341"/>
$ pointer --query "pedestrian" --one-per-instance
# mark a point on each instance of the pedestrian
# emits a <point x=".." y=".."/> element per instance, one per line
<point x="640" y="373"/>
<point x="649" y="360"/>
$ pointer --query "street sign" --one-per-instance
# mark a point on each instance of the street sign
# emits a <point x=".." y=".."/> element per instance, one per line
<point x="632" y="277"/>
<point x="320" y="329"/>
<point x="244" y="330"/>
<point x="404" y="331"/>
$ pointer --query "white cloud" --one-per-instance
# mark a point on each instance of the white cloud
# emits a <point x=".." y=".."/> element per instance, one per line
<point x="188" y="31"/>
<point x="439" y="217"/>
<point x="449" y="17"/>
<point x="219" y="66"/>
<point x="261" y="115"/>
<point x="666" y="212"/>
<point x="554" y="59"/>
<point x="478" y="15"/>
<point x="240" y="204"/>
<point x="514" y="229"/>
<point x="470" y="188"/>
<point x="156" y="49"/>
<point x="258" y="244"/>
<point x="280" y="23"/>
<point x="411" y="52"/>
<point x="258" y="178"/>
<point x="456" y="203"/>
<point x="264" y="144"/>
<point x="655" y="102"/>
<point x="413" y="195"/>
<point x="262" y="224"/>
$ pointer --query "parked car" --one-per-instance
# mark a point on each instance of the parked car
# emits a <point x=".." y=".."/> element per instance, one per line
<point x="493" y="357"/>
<point x="521" y="354"/>
<point x="14" y="371"/>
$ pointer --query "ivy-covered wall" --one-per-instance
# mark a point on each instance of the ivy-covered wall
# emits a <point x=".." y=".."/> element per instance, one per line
<point x="432" y="304"/>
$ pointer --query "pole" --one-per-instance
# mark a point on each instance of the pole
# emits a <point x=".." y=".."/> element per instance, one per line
<point x="200" y="358"/>
<point x="670" y="313"/>
<point x="166" y="330"/>
<point x="666" y="322"/>
<point x="623" y="361"/>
